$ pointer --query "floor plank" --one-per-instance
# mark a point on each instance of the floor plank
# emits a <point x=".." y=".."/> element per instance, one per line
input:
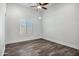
<point x="39" y="47"/>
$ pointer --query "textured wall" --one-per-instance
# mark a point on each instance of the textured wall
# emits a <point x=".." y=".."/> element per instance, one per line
<point x="15" y="13"/>
<point x="2" y="29"/>
<point x="61" y="24"/>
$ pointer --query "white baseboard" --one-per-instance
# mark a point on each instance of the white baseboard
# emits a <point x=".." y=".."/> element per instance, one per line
<point x="66" y="44"/>
<point x="20" y="40"/>
<point x="49" y="39"/>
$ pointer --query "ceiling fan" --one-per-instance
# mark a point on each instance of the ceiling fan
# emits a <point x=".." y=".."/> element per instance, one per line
<point x="41" y="6"/>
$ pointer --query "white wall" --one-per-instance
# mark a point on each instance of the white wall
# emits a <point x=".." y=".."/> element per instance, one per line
<point x="15" y="13"/>
<point x="61" y="24"/>
<point x="2" y="29"/>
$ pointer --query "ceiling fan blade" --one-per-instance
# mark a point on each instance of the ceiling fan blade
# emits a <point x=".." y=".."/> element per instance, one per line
<point x="44" y="4"/>
<point x="44" y="8"/>
<point x="40" y="3"/>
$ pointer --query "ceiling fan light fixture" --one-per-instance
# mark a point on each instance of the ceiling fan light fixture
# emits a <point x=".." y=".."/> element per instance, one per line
<point x="39" y="7"/>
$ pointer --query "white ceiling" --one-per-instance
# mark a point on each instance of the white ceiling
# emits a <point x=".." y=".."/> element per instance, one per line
<point x="34" y="4"/>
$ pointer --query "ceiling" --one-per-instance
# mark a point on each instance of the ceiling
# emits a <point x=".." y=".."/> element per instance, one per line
<point x="34" y="4"/>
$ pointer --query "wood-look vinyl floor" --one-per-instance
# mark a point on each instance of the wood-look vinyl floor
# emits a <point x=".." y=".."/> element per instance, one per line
<point x="39" y="47"/>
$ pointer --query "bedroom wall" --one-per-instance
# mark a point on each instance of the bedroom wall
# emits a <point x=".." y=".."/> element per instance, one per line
<point x="61" y="24"/>
<point x="2" y="29"/>
<point x="16" y="12"/>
